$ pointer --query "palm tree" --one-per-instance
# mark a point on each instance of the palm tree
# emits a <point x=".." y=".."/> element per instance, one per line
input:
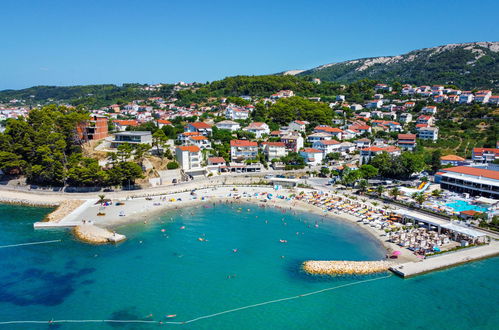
<point x="102" y="198"/>
<point x="419" y="197"/>
<point x="395" y="192"/>
<point x="436" y="193"/>
<point x="380" y="190"/>
<point x="363" y="184"/>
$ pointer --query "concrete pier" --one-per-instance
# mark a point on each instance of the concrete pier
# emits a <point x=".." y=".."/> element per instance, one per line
<point x="446" y="260"/>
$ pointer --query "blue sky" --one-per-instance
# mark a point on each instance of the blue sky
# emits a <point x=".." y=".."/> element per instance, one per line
<point x="148" y="41"/>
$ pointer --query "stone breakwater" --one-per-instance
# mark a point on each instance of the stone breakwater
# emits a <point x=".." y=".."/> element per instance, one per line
<point x="95" y="235"/>
<point x="319" y="267"/>
<point x="64" y="209"/>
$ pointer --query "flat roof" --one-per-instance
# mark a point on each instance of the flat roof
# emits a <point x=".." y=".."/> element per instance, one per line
<point x="137" y="133"/>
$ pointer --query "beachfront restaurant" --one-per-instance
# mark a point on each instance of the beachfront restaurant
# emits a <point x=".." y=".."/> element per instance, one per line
<point x="457" y="232"/>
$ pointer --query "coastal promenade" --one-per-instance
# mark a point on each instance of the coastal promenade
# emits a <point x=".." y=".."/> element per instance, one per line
<point x="446" y="260"/>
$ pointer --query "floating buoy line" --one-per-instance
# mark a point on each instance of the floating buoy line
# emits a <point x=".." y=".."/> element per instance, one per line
<point x="197" y="318"/>
<point x="31" y="243"/>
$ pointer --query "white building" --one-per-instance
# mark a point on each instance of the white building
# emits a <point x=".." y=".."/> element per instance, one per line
<point x="327" y="146"/>
<point x="236" y="113"/>
<point x="258" y="129"/>
<point x="274" y="150"/>
<point x="298" y="125"/>
<point x="405" y="118"/>
<point x="228" y="125"/>
<point x="428" y="133"/>
<point x="312" y="156"/>
<point x="429" y="109"/>
<point x="189" y="157"/>
<point x="199" y="141"/>
<point x="241" y="150"/>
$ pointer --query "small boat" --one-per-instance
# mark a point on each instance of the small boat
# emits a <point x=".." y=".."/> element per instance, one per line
<point x="171" y="316"/>
<point x="183" y="227"/>
<point x="283" y="241"/>
<point x="201" y="239"/>
<point x="234" y="250"/>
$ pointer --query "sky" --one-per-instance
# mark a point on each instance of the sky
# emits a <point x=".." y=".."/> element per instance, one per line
<point x="75" y="42"/>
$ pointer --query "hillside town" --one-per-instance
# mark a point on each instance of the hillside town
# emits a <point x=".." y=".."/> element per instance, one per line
<point x="223" y="137"/>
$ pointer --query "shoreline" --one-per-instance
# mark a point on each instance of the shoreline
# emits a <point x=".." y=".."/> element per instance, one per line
<point x="123" y="210"/>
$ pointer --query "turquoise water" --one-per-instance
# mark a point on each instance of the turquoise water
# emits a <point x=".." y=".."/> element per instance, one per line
<point x="460" y="205"/>
<point x="171" y="272"/>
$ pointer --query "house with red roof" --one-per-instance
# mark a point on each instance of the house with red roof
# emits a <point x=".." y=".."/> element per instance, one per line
<point x="257" y="128"/>
<point x="298" y="125"/>
<point x="334" y="131"/>
<point x="241" y="150"/>
<point x="190" y="158"/>
<point x="163" y="122"/>
<point x="199" y="141"/>
<point x="407" y="141"/>
<point x="485" y="155"/>
<point x="367" y="153"/>
<point x="312" y="156"/>
<point x="121" y="125"/>
<point x="199" y="127"/>
<point x="453" y="160"/>
<point x="327" y="146"/>
<point x="426" y="119"/>
<point x="274" y="150"/>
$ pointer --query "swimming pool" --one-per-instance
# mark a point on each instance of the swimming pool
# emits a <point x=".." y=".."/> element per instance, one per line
<point x="459" y="206"/>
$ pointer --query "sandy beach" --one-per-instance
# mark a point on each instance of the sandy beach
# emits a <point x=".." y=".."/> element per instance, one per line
<point x="123" y="210"/>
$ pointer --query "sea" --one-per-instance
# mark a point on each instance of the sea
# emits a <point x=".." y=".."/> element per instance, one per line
<point x="225" y="266"/>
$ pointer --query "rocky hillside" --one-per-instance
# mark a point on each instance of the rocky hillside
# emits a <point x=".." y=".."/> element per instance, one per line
<point x="468" y="65"/>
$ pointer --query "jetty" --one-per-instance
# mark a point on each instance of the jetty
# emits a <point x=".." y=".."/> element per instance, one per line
<point x="323" y="267"/>
<point x="446" y="260"/>
<point x="92" y="234"/>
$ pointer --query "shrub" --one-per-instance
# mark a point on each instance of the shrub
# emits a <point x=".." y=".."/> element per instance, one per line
<point x="172" y="165"/>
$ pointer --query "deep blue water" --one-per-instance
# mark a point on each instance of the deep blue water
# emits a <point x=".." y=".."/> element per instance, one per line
<point x="171" y="272"/>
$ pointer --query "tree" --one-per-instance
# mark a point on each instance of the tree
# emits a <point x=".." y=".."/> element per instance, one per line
<point x="124" y="151"/>
<point x="363" y="184"/>
<point x="333" y="156"/>
<point x="437" y="193"/>
<point x="10" y="163"/>
<point x="380" y="190"/>
<point x="368" y="171"/>
<point x="159" y="139"/>
<point x="139" y="152"/>
<point x="325" y="171"/>
<point x="419" y="197"/>
<point x="395" y="192"/>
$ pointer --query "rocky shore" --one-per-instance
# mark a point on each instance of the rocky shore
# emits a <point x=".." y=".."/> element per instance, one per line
<point x="95" y="235"/>
<point x="318" y="267"/>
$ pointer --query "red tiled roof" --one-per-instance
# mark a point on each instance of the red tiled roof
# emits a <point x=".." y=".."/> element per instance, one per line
<point x="165" y="122"/>
<point x="189" y="148"/>
<point x="328" y="129"/>
<point x="473" y="171"/>
<point x="312" y="151"/>
<point x="407" y="137"/>
<point x="452" y="158"/>
<point x="329" y="142"/>
<point x="198" y="138"/>
<point x="480" y="151"/>
<point x="243" y="143"/>
<point x="126" y="122"/>
<point x="215" y="160"/>
<point x="200" y="125"/>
